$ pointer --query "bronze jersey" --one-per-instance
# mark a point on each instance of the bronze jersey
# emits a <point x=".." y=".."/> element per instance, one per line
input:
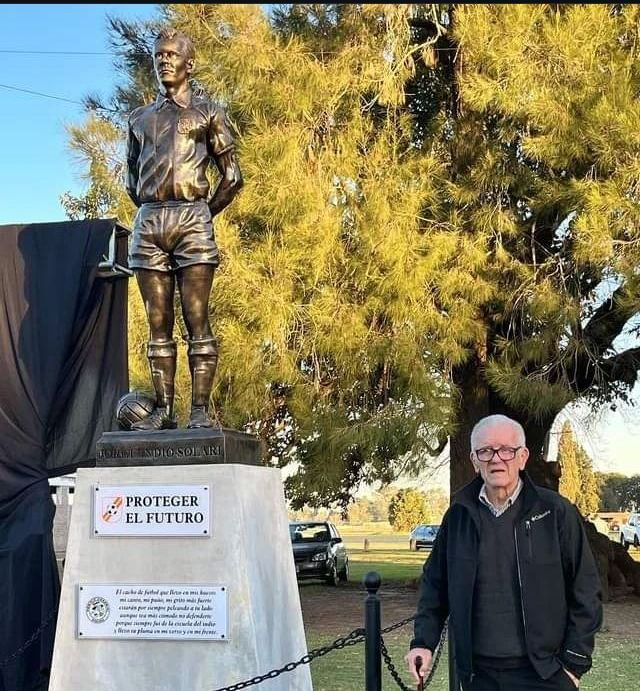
<point x="170" y="145"/>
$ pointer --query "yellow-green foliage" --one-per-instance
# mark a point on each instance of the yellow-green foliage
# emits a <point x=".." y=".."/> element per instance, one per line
<point x="562" y="84"/>
<point x="362" y="263"/>
<point x="324" y="257"/>
<point x="407" y="509"/>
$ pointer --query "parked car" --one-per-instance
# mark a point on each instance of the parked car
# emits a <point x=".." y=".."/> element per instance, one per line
<point x="423" y="536"/>
<point x="630" y="531"/>
<point x="318" y="551"/>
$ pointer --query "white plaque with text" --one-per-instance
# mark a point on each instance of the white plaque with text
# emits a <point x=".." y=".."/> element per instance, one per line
<point x="151" y="510"/>
<point x="164" y="612"/>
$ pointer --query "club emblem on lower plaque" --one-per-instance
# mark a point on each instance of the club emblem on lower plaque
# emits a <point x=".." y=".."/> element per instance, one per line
<point x="112" y="509"/>
<point x="97" y="610"/>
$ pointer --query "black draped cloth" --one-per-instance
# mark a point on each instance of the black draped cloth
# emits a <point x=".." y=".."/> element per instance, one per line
<point x="63" y="366"/>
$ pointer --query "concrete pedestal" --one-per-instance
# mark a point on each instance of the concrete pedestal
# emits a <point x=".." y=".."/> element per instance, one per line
<point x="249" y="552"/>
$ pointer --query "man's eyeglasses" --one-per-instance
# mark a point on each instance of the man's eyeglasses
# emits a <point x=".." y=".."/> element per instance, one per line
<point x="505" y="453"/>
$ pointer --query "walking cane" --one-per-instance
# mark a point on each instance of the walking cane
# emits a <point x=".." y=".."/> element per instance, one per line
<point x="421" y="682"/>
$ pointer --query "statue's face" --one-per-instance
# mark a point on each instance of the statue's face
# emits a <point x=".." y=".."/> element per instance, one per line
<point x="171" y="63"/>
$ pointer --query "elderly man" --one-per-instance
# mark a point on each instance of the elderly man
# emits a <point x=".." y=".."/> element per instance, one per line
<point x="513" y="570"/>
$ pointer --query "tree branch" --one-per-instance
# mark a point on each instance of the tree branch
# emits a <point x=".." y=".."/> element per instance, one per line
<point x="436" y="450"/>
<point x="623" y="367"/>
<point x="620" y="369"/>
<point x="607" y="322"/>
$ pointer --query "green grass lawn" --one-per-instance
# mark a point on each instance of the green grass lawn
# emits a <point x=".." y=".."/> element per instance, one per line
<point x="392" y="565"/>
<point x="616" y="666"/>
<point x="388" y="553"/>
<point x="344" y="670"/>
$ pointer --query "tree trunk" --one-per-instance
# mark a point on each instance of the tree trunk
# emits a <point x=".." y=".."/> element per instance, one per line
<point x="542" y="472"/>
<point x="473" y="404"/>
<point x="476" y="400"/>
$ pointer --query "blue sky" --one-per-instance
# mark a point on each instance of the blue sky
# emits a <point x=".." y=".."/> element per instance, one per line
<point x="37" y="166"/>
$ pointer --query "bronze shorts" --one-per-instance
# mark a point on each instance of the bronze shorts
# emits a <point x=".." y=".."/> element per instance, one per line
<point x="170" y="235"/>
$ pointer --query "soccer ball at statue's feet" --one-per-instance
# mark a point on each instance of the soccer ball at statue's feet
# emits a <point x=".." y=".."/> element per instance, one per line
<point x="133" y="407"/>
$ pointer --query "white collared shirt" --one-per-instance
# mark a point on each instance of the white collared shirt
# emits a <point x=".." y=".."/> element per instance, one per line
<point x="495" y="510"/>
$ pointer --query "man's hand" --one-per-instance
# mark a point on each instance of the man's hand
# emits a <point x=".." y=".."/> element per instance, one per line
<point x="573" y="677"/>
<point x="411" y="658"/>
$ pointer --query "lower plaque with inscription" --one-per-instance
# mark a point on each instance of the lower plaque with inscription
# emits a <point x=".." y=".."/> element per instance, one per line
<point x="152" y="611"/>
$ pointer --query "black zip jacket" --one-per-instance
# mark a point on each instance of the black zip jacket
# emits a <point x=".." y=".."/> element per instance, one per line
<point x="559" y="583"/>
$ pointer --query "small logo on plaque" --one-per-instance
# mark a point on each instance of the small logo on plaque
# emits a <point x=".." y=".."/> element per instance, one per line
<point x="97" y="610"/>
<point x="112" y="509"/>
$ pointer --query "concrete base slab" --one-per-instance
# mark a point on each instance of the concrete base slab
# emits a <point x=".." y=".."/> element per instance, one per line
<point x="249" y="552"/>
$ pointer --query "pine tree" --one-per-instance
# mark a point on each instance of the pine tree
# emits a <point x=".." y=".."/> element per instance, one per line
<point x="578" y="483"/>
<point x="440" y="221"/>
<point x="589" y="500"/>
<point x="567" y="457"/>
<point x="544" y="171"/>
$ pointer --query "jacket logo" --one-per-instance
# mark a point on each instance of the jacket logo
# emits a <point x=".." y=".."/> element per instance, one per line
<point x="538" y="516"/>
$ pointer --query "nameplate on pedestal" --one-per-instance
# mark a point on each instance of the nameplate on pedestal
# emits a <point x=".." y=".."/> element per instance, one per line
<point x="208" y="446"/>
<point x="153" y="611"/>
<point x="151" y="511"/>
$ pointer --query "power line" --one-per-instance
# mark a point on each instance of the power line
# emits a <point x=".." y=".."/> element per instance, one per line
<point x="39" y="93"/>
<point x="56" y="98"/>
<point x="51" y="52"/>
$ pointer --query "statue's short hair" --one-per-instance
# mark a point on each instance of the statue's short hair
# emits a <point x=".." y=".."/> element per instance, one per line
<point x="169" y="34"/>
<point x="494" y="421"/>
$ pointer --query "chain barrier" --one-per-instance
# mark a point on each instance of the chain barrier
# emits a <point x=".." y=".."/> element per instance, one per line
<point x="30" y="641"/>
<point x="353" y="638"/>
<point x="398" y="625"/>
<point x="434" y="665"/>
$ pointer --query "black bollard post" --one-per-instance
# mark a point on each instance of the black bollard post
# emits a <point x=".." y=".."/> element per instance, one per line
<point x="372" y="658"/>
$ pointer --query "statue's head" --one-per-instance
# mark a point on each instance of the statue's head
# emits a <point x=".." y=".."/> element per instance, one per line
<point x="173" y="57"/>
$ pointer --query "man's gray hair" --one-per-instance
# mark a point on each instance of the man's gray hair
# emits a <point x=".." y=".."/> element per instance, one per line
<point x="170" y="34"/>
<point x="494" y="421"/>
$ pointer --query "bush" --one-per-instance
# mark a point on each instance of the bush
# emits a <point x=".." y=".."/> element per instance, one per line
<point x="407" y="509"/>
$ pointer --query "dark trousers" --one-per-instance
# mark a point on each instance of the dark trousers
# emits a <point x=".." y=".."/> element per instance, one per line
<point x="520" y="679"/>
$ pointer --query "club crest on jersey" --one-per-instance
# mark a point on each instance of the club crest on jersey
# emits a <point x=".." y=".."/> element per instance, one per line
<point x="185" y="125"/>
